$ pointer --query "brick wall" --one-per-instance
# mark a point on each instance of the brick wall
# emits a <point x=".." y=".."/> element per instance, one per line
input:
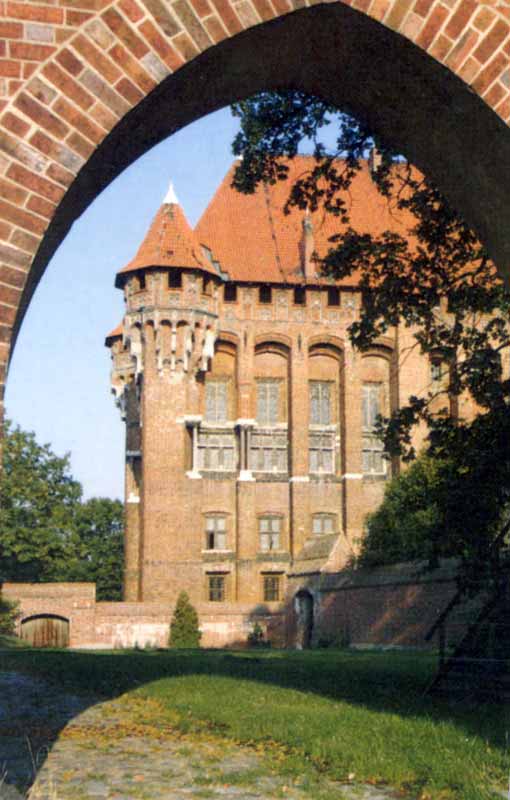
<point x="385" y="607"/>
<point x="71" y="70"/>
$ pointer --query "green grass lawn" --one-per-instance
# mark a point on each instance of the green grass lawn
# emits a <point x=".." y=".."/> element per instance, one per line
<point x="335" y="712"/>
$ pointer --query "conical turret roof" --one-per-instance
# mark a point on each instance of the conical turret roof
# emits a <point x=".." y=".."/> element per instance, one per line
<point x="170" y="242"/>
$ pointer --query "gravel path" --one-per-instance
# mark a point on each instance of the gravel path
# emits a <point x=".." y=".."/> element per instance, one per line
<point x="56" y="746"/>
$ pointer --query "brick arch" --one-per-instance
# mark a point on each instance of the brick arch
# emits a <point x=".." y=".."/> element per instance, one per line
<point x="89" y="85"/>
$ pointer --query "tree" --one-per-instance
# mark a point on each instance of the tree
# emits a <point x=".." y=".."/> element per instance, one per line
<point x="98" y="547"/>
<point x="409" y="520"/>
<point x="38" y="502"/>
<point x="436" y="279"/>
<point x="47" y="532"/>
<point x="8" y="616"/>
<point x="184" y="630"/>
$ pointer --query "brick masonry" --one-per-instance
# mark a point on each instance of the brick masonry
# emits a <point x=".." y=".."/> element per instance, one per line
<point x="70" y="70"/>
<point x="392" y="607"/>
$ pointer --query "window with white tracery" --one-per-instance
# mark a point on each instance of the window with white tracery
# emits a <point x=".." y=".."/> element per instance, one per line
<point x="216" y="401"/>
<point x="216" y="450"/>
<point x="268" y="402"/>
<point x="372" y="447"/>
<point x="320" y="402"/>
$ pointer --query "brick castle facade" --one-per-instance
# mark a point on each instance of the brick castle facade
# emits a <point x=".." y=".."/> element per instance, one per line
<point x="251" y="458"/>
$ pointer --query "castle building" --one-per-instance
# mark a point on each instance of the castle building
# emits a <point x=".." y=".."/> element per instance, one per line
<point x="251" y="457"/>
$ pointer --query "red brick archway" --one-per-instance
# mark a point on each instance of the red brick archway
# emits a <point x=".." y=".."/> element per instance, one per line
<point x="89" y="85"/>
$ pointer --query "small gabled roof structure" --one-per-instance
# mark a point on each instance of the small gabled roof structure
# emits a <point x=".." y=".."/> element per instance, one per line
<point x="170" y="242"/>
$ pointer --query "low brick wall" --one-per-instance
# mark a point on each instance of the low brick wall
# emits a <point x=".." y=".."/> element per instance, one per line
<point x="389" y="606"/>
<point x="394" y="607"/>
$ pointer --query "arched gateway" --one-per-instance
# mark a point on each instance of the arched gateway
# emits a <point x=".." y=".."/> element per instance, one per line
<point x="89" y="85"/>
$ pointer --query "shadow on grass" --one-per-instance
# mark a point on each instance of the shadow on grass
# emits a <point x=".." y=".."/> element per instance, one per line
<point x="380" y="682"/>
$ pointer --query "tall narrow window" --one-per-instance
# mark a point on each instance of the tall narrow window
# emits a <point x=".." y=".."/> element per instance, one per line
<point x="299" y="296"/>
<point x="269" y="533"/>
<point x="216" y="394"/>
<point x="215" y="533"/>
<point x="230" y="293"/>
<point x="320" y="402"/>
<point x="216" y="588"/>
<point x="372" y="456"/>
<point x="265" y="294"/>
<point x="268" y="402"/>
<point x="271" y="588"/>
<point x="333" y="296"/>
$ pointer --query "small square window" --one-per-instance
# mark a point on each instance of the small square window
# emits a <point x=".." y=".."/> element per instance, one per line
<point x="216" y="588"/>
<point x="271" y="588"/>
<point x="323" y="524"/>
<point x="333" y="296"/>
<point x="299" y="296"/>
<point x="230" y="293"/>
<point x="265" y="294"/>
<point x="175" y="279"/>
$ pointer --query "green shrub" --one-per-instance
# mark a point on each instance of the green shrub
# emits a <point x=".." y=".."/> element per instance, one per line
<point x="8" y="615"/>
<point x="184" y="630"/>
<point x="256" y="637"/>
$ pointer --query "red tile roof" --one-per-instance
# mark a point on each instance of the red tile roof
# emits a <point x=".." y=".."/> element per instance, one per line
<point x="115" y="334"/>
<point x="253" y="240"/>
<point x="170" y="242"/>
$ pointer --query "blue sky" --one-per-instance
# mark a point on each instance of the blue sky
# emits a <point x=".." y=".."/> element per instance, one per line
<point x="58" y="384"/>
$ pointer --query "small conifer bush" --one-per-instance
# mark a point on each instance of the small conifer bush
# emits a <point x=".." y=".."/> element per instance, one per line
<point x="184" y="630"/>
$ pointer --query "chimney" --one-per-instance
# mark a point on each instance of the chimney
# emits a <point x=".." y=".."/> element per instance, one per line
<point x="374" y="160"/>
<point x="307" y="248"/>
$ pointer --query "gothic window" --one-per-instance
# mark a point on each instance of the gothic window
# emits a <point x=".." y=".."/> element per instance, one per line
<point x="269" y="533"/>
<point x="216" y="588"/>
<point x="320" y="402"/>
<point x="268" y="402"/>
<point x="372" y="453"/>
<point x="215" y="533"/>
<point x="271" y="585"/>
<point x="322" y="524"/>
<point x="216" y="401"/>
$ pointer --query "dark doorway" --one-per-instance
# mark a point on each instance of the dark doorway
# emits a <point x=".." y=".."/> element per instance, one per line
<point x="303" y="604"/>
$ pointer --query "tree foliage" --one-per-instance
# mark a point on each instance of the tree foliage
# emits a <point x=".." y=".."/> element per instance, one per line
<point x="47" y="531"/>
<point x="434" y="278"/>
<point x="184" y="630"/>
<point x="8" y="616"/>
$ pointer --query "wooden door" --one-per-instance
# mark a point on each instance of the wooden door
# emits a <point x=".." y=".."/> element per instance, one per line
<point x="46" y="630"/>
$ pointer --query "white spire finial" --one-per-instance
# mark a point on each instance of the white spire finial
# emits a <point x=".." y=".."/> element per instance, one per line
<point x="171" y="197"/>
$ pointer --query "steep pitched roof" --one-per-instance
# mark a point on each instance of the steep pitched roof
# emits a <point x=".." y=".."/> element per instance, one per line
<point x="117" y="333"/>
<point x="170" y="242"/>
<point x="253" y="240"/>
